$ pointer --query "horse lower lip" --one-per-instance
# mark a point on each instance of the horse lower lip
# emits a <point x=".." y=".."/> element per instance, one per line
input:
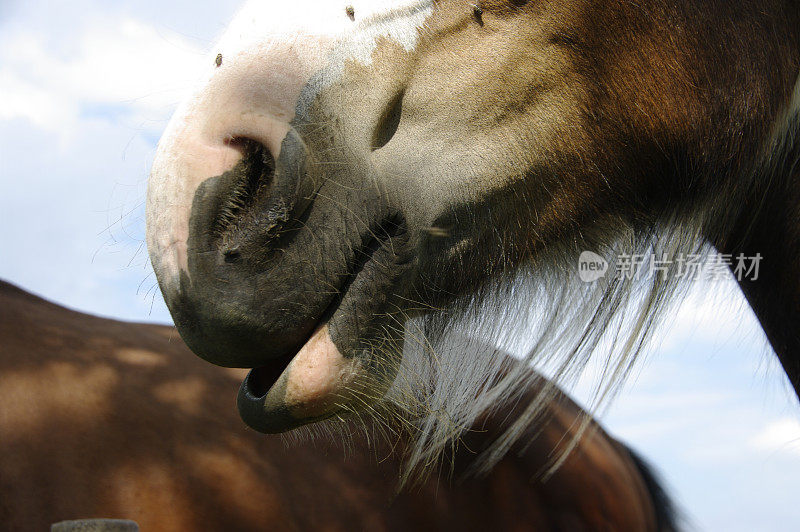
<point x="275" y="399"/>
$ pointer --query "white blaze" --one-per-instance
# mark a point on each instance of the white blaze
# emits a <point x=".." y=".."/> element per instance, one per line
<point x="270" y="52"/>
<point x="261" y="22"/>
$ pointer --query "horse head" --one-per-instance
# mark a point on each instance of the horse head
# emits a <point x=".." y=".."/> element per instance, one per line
<point x="343" y="170"/>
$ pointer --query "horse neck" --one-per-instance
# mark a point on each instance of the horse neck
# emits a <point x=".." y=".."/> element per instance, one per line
<point x="769" y="224"/>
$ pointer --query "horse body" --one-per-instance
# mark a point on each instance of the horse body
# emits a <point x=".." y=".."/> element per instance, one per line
<point x="108" y="419"/>
<point x="347" y="172"/>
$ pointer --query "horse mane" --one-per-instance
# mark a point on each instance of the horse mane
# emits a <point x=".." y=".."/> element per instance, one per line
<point x="452" y="373"/>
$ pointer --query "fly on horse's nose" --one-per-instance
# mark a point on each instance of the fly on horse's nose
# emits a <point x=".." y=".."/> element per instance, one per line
<point x="218" y="60"/>
<point x="351" y="12"/>
<point x="477" y="12"/>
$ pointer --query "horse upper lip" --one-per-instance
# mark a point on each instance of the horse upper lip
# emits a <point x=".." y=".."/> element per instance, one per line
<point x="261" y="378"/>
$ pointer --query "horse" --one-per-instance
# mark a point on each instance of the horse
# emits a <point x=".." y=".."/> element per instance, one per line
<point x="349" y="179"/>
<point x="107" y="419"/>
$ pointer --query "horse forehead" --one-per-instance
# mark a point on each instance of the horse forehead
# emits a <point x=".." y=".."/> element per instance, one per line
<point x="263" y="24"/>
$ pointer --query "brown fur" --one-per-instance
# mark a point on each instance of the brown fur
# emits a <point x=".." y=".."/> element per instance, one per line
<point x="101" y="418"/>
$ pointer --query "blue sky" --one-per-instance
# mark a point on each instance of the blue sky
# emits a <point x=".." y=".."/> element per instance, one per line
<point x="85" y="90"/>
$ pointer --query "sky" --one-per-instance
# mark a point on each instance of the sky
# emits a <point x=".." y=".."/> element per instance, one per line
<point x="86" y="88"/>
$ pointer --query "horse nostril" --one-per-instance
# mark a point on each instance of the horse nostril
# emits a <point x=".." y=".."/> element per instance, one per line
<point x="244" y="212"/>
<point x="252" y="177"/>
<point x="389" y="122"/>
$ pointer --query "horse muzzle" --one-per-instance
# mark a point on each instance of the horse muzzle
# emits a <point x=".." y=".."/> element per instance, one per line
<point x="275" y="242"/>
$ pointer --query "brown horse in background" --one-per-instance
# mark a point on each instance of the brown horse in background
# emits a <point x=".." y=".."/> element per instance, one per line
<point x="101" y="418"/>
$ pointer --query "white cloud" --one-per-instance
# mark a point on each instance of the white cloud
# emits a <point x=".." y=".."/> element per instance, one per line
<point x="22" y="99"/>
<point x="782" y="435"/>
<point x="113" y="62"/>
